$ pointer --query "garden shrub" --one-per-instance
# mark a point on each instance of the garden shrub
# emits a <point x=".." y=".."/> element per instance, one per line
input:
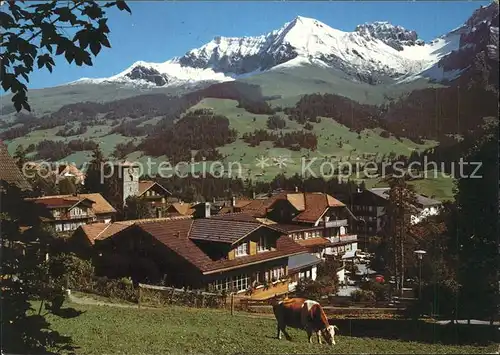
<point x="363" y="296"/>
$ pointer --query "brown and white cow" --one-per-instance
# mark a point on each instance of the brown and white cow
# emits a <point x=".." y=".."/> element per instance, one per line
<point x="301" y="313"/>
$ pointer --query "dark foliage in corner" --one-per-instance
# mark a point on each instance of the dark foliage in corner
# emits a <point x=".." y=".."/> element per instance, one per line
<point x="32" y="32"/>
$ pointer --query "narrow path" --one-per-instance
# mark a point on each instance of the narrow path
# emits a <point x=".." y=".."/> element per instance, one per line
<point x="91" y="301"/>
<point x="84" y="300"/>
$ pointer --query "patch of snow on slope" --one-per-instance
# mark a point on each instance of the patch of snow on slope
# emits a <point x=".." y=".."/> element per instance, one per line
<point x="178" y="75"/>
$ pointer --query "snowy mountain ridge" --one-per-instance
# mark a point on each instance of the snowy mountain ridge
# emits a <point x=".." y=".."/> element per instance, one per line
<point x="373" y="53"/>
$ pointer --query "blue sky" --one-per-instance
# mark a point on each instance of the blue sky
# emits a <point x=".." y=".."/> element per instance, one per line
<point x="158" y="31"/>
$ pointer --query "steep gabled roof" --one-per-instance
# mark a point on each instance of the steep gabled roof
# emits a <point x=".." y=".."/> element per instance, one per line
<point x="9" y="172"/>
<point x="145" y="185"/>
<point x="182" y="208"/>
<point x="219" y="230"/>
<point x="311" y="205"/>
<point x="237" y="217"/>
<point x="101" y="231"/>
<point x="100" y="204"/>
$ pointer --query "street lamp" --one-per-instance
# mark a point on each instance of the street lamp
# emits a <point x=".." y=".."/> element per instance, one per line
<point x="420" y="255"/>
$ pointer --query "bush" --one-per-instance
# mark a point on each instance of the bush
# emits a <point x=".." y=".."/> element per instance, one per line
<point x="363" y="296"/>
<point x="380" y="290"/>
<point x="75" y="272"/>
<point x="315" y="289"/>
<point x="444" y="305"/>
<point x="275" y="122"/>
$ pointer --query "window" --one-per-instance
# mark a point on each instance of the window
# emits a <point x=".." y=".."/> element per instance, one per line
<point x="239" y="283"/>
<point x="262" y="244"/>
<point x="307" y="235"/>
<point x="277" y="273"/>
<point x="242" y="249"/>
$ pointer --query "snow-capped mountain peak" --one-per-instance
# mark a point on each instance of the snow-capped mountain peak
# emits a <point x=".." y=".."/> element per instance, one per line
<point x="373" y="52"/>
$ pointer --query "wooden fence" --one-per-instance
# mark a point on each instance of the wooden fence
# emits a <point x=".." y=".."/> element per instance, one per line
<point x="160" y="296"/>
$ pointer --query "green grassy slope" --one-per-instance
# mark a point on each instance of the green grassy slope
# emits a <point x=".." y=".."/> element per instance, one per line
<point x="329" y="134"/>
<point x="292" y="83"/>
<point x="176" y="330"/>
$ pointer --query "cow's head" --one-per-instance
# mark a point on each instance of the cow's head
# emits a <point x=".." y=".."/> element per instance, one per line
<point x="329" y="334"/>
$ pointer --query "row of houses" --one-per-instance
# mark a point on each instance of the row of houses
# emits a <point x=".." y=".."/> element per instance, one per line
<point x="264" y="244"/>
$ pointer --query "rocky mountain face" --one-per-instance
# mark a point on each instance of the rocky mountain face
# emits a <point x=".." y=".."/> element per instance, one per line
<point x="478" y="45"/>
<point x="148" y="74"/>
<point x="396" y="37"/>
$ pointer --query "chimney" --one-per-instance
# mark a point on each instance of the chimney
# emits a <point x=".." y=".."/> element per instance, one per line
<point x="233" y="204"/>
<point x="207" y="210"/>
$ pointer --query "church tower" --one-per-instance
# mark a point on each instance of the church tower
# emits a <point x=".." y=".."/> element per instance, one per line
<point x="127" y="174"/>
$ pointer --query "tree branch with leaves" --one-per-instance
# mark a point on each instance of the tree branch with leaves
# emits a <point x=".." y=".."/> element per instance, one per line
<point x="33" y="34"/>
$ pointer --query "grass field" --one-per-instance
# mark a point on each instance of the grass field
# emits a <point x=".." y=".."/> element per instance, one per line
<point x="176" y="330"/>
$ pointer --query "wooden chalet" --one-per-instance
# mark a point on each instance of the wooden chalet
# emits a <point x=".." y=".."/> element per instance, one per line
<point x="317" y="221"/>
<point x="217" y="253"/>
<point x="155" y="194"/>
<point x="68" y="212"/>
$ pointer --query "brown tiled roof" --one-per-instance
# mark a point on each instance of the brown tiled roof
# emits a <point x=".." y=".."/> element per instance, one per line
<point x="183" y="208"/>
<point x="175" y="235"/>
<point x="93" y="231"/>
<point x="100" y="206"/>
<point x="219" y="230"/>
<point x="9" y="172"/>
<point x="100" y="231"/>
<point x="240" y="203"/>
<point x="315" y="206"/>
<point x="236" y="216"/>
<point x="297" y="201"/>
<point x="312" y="205"/>
<point x="145" y="185"/>
<point x="57" y="202"/>
<point x="258" y="208"/>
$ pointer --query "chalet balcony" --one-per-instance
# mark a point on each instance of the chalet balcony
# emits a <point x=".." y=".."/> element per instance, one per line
<point x="348" y="238"/>
<point x="343" y="238"/>
<point x="336" y="223"/>
<point x="68" y="217"/>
